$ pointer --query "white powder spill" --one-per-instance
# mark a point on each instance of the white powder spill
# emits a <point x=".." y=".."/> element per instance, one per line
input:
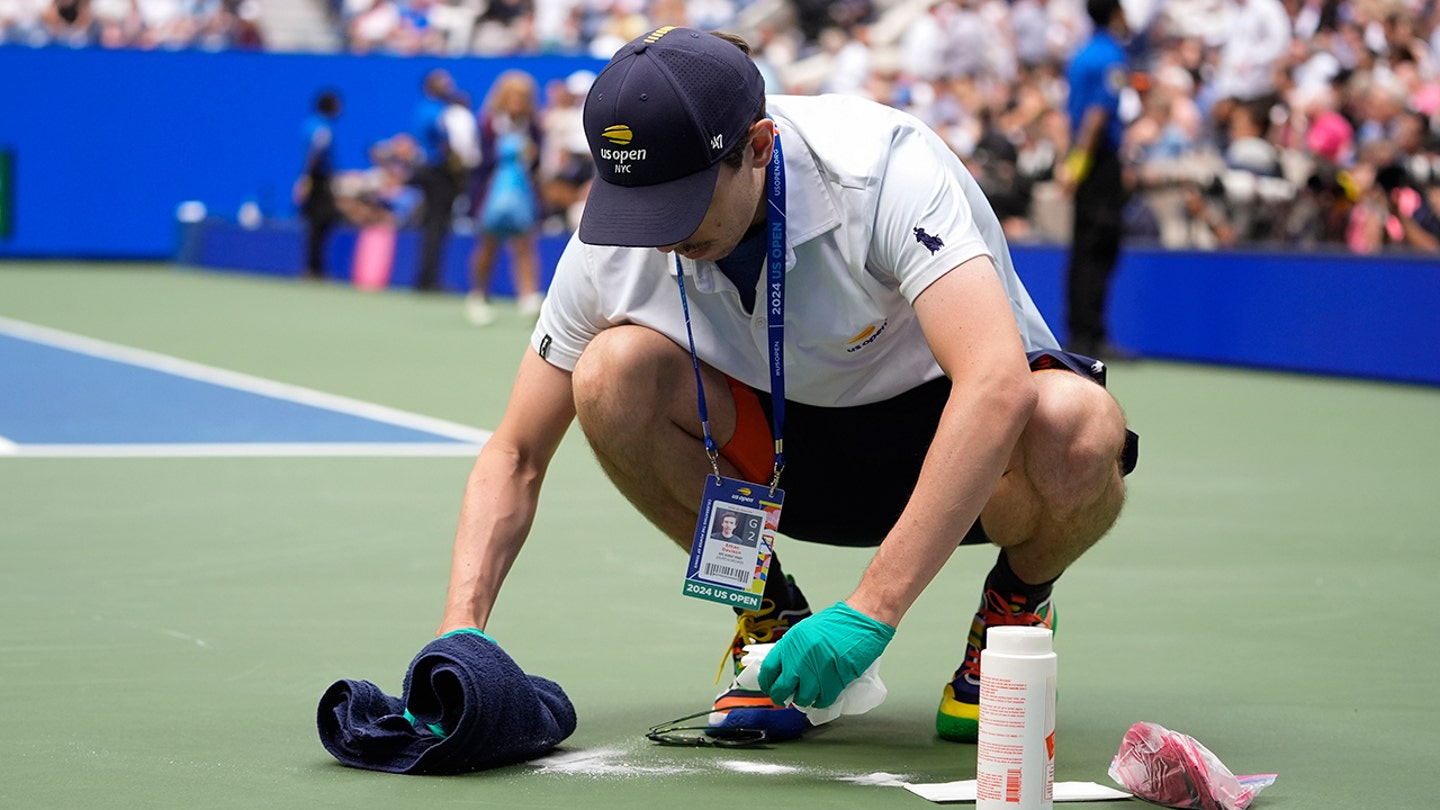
<point x="596" y="762"/>
<point x="750" y="766"/>
<point x="621" y="762"/>
<point x="879" y="779"/>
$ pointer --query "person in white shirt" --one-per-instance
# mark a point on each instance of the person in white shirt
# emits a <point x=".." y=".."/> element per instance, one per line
<point x="1257" y="37"/>
<point x="835" y="249"/>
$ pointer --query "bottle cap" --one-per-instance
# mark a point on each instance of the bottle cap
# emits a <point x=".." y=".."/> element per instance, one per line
<point x="1020" y="640"/>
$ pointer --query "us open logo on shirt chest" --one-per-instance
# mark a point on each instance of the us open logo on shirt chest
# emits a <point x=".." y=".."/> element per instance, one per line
<point x="866" y="337"/>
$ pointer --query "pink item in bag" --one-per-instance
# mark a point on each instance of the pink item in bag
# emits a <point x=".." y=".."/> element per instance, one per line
<point x="374" y="256"/>
<point x="1174" y="770"/>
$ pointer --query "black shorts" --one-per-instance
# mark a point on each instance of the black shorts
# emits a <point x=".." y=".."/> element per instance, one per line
<point x="845" y="481"/>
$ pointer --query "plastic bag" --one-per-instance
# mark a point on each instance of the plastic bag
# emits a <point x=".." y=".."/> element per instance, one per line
<point x="1175" y="770"/>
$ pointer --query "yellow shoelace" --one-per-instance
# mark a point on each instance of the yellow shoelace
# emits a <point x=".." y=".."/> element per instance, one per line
<point x="750" y="628"/>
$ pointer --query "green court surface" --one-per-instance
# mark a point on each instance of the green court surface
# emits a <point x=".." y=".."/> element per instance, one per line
<point x="170" y="623"/>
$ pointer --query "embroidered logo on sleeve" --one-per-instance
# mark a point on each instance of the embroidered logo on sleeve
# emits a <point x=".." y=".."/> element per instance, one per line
<point x="931" y="242"/>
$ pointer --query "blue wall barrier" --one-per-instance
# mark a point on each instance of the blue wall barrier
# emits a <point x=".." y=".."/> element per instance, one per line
<point x="1323" y="313"/>
<point x="106" y="144"/>
<point x="1326" y="313"/>
<point x="277" y="249"/>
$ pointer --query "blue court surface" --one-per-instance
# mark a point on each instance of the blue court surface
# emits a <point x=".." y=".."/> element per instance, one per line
<point x="67" y="395"/>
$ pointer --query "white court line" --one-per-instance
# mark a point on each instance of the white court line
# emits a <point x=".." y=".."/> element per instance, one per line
<point x="242" y="450"/>
<point x="471" y="437"/>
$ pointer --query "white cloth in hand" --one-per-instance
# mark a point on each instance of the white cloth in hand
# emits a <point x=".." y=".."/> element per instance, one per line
<point x="860" y="696"/>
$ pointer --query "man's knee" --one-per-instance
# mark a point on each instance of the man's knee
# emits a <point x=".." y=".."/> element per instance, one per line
<point x="623" y="376"/>
<point x="1079" y="431"/>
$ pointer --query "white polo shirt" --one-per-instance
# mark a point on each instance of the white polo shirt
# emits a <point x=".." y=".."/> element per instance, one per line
<point x="877" y="207"/>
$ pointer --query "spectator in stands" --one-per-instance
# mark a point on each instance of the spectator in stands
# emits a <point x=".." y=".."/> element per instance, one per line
<point x="1251" y="159"/>
<point x="1411" y="222"/>
<point x="1417" y="148"/>
<point x="967" y="41"/>
<point x="994" y="166"/>
<point x="923" y="43"/>
<point x="382" y="194"/>
<point x="1207" y="223"/>
<point x="1258" y="36"/>
<point x="237" y="25"/>
<point x="1330" y="136"/>
<point x="1391" y="211"/>
<point x="313" y="192"/>
<point x="462" y="134"/>
<point x="1380" y="102"/>
<point x="1321" y="211"/>
<point x="566" y="167"/>
<point x="166" y="24"/>
<point x="439" y="176"/>
<point x="1404" y="45"/>
<point x="506" y="203"/>
<point x="413" y="34"/>
<point x="1369" y="228"/>
<point x="119" y="22"/>
<point x="506" y="24"/>
<point x="23" y="22"/>
<point x="1030" y="31"/>
<point x="850" y="69"/>
<point x="379" y="202"/>
<point x="370" y="29"/>
<point x="72" y="23"/>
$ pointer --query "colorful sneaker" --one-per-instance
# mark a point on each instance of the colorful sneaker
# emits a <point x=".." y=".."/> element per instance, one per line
<point x="737" y="707"/>
<point x="958" y="718"/>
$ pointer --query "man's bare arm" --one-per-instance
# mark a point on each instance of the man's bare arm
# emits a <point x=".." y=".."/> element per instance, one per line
<point x="971" y="329"/>
<point x="503" y="490"/>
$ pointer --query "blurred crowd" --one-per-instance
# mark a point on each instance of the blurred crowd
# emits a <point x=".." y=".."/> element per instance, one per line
<point x="1298" y="122"/>
<point x="205" y="24"/>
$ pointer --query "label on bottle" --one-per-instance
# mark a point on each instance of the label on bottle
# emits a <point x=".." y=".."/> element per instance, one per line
<point x="1015" y="755"/>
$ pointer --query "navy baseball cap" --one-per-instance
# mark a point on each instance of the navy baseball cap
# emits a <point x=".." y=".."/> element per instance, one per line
<point x="659" y="118"/>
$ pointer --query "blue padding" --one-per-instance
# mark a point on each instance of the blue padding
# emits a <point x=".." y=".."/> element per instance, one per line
<point x="275" y="248"/>
<point x="1324" y="313"/>
<point x="55" y="396"/>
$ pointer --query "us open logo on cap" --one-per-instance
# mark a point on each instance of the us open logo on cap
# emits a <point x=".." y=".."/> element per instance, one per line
<point x="620" y="159"/>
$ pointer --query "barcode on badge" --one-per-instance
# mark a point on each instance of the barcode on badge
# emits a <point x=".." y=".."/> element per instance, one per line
<point x="739" y="576"/>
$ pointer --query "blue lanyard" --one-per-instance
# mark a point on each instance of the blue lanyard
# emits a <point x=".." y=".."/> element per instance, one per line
<point x="774" y="317"/>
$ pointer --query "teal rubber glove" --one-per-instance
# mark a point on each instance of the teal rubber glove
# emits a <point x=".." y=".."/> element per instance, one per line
<point x="474" y="631"/>
<point x="817" y="658"/>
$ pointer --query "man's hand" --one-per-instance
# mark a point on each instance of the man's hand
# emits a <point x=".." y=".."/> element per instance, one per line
<point x="817" y="658"/>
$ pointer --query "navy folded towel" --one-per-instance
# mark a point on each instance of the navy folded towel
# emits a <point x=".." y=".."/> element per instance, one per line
<point x="473" y="708"/>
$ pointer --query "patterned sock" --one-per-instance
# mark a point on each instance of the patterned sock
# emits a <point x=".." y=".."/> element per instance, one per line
<point x="1003" y="580"/>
